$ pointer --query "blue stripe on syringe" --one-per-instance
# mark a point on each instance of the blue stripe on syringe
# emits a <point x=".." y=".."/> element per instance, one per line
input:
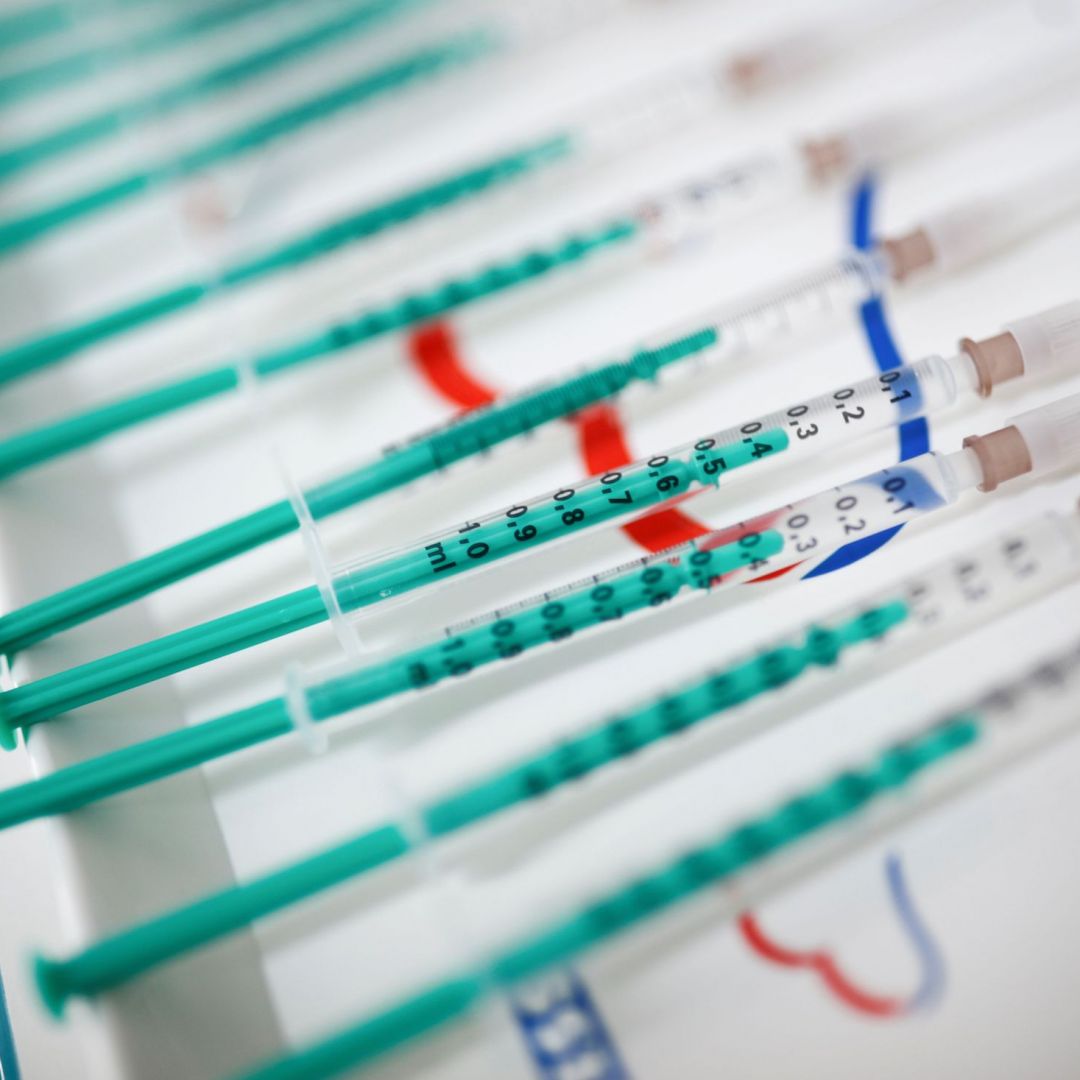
<point x="914" y="434"/>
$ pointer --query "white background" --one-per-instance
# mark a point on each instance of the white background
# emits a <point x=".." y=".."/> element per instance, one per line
<point x="993" y="874"/>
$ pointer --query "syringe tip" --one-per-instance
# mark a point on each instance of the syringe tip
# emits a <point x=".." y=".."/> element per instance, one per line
<point x="1003" y="455"/>
<point x="996" y="360"/>
<point x="745" y="73"/>
<point x="826" y="157"/>
<point x="909" y="253"/>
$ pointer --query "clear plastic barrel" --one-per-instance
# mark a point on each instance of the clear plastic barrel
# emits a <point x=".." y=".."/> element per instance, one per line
<point x="694" y="207"/>
<point x="809" y="529"/>
<point x="828" y="419"/>
<point x="942" y="600"/>
<point x="783" y="312"/>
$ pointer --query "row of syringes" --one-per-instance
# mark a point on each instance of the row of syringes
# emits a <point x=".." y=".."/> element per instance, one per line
<point x="92" y="128"/>
<point x="505" y="29"/>
<point x="85" y="43"/>
<point x="656" y="226"/>
<point x="807" y="831"/>
<point x="1046" y="552"/>
<point x="611" y="130"/>
<point x="952" y="238"/>
<point x="808" y="529"/>
<point x="106" y="41"/>
<point x="896" y="622"/>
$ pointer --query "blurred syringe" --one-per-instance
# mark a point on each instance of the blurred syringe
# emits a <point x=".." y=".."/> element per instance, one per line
<point x="807" y="832"/>
<point x="907" y="618"/>
<point x="419" y="65"/>
<point x="501" y="31"/>
<point x="101" y="39"/>
<point x="658" y="226"/>
<point x="786" y="841"/>
<point x="100" y="125"/>
<point x="606" y="130"/>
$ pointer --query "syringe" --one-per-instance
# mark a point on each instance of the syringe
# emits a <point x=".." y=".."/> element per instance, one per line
<point x="804" y="833"/>
<point x="104" y="50"/>
<point x="653" y="227"/>
<point x="844" y="413"/>
<point x="937" y="604"/>
<point x="33" y="22"/>
<point x="808" y="530"/>
<point x="88" y="129"/>
<point x="618" y="125"/>
<point x="951" y="238"/>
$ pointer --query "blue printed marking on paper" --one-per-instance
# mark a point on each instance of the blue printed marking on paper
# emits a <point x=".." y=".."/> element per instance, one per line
<point x="931" y="959"/>
<point x="564" y="1032"/>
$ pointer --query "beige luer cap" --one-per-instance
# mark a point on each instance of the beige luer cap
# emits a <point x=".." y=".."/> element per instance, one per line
<point x="1037" y="441"/>
<point x="1003" y="455"/>
<point x="996" y="360"/>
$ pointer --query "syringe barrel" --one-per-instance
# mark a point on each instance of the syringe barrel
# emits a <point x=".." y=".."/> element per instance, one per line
<point x="554" y="516"/>
<point x="929" y="763"/>
<point x="1049" y="340"/>
<point x="783" y="311"/>
<point x="835" y="417"/>
<point x="821" y="821"/>
<point x="872" y="404"/>
<point x="801" y="302"/>
<point x="776" y="314"/>
<point x="643" y="115"/>
<point x="980" y="227"/>
<point x="803" y="532"/>
<point x="813" y="528"/>
<point x="1012" y="568"/>
<point x="809" y="829"/>
<point x="694" y="207"/>
<point x="1052" y="434"/>
<point x="555" y="616"/>
<point x="985" y="581"/>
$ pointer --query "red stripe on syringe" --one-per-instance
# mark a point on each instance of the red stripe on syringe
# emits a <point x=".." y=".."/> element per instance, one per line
<point x="733" y="533"/>
<point x="434" y="352"/>
<point x="603" y="446"/>
<point x="437" y="357"/>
